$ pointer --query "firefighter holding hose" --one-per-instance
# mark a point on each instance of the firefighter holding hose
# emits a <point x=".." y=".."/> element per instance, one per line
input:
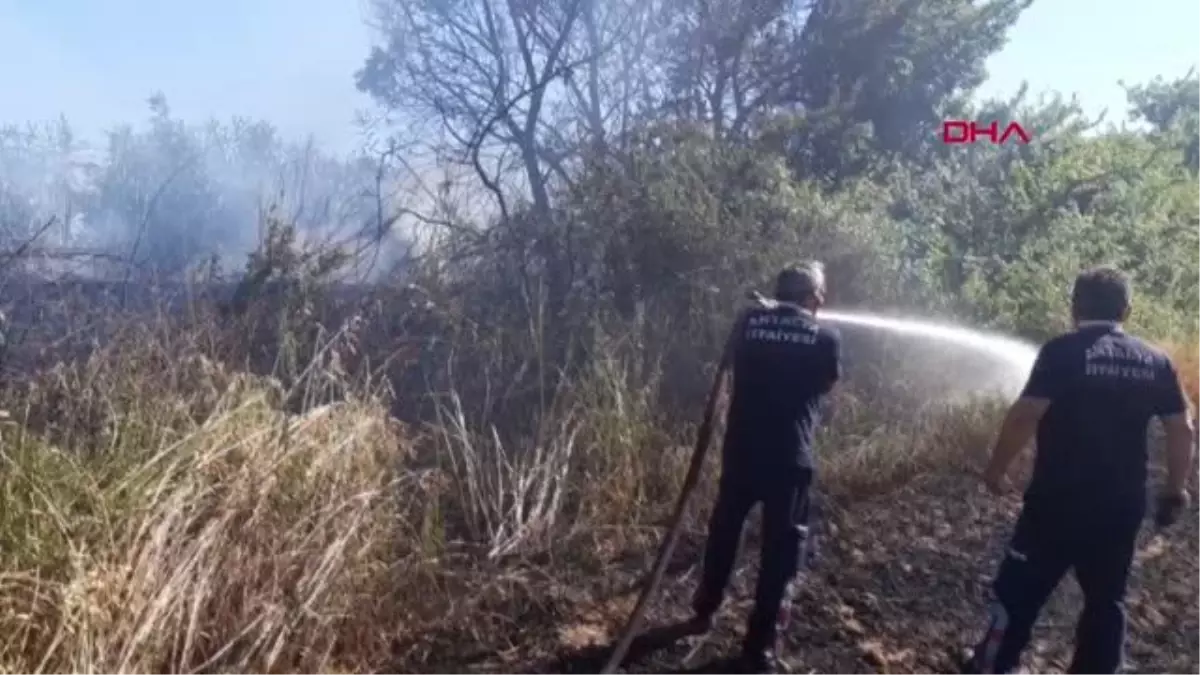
<point x="1088" y="399"/>
<point x="783" y="364"/>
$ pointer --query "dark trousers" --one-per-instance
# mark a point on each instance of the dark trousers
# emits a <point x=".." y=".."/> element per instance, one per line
<point x="785" y="511"/>
<point x="1098" y="544"/>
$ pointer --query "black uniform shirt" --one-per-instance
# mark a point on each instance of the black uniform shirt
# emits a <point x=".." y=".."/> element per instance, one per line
<point x="784" y="363"/>
<point x="1103" y="386"/>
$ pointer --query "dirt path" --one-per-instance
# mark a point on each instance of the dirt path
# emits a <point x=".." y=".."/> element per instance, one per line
<point x="902" y="580"/>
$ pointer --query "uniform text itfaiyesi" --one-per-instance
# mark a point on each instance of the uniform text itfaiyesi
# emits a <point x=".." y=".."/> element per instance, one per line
<point x="774" y="328"/>
<point x="1113" y="361"/>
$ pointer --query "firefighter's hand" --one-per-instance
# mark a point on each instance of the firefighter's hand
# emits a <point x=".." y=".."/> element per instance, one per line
<point x="760" y="300"/>
<point x="1167" y="509"/>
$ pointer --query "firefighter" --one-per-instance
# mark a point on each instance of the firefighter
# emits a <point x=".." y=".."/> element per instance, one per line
<point x="1088" y="399"/>
<point x="783" y="362"/>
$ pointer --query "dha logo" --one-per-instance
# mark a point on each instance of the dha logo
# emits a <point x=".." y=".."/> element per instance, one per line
<point x="964" y="131"/>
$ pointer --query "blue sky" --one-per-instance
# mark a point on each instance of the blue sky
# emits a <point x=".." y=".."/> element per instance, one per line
<point x="291" y="61"/>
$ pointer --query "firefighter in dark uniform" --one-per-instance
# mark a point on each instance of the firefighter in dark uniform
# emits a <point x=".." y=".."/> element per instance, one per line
<point x="1089" y="398"/>
<point x="783" y="364"/>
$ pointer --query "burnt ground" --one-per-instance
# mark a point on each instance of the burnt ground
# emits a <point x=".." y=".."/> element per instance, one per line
<point x="899" y="585"/>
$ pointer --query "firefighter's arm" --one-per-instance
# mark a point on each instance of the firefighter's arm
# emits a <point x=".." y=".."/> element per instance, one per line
<point x="1174" y="410"/>
<point x="761" y="300"/>
<point x="1021" y="422"/>
<point x="1172" y="407"/>
<point x="1180" y="437"/>
<point x="1174" y="496"/>
<point x="1174" y="500"/>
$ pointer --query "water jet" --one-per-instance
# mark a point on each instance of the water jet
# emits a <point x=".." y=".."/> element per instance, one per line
<point x="990" y="362"/>
<point x="1006" y="361"/>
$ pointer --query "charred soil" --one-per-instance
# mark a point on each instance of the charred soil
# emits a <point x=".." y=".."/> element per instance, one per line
<point x="899" y="584"/>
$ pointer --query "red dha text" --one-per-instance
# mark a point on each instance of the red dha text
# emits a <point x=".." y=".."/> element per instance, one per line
<point x="963" y="131"/>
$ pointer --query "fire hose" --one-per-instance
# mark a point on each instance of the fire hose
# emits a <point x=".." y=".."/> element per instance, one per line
<point x="650" y="588"/>
<point x="668" y="545"/>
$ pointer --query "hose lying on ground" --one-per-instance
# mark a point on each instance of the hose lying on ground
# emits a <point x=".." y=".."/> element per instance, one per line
<point x="689" y="485"/>
<point x="668" y="545"/>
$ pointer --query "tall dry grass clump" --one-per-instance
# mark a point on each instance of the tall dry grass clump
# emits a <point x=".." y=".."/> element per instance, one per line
<point x="238" y="537"/>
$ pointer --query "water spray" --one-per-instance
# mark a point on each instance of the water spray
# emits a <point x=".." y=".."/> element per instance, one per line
<point x="1014" y="357"/>
<point x="1009" y="351"/>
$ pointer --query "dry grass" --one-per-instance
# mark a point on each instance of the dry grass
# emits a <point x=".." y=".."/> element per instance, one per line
<point x="256" y="541"/>
<point x="165" y="513"/>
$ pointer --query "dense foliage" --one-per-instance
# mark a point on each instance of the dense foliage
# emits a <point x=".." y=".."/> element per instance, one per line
<point x="643" y="154"/>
